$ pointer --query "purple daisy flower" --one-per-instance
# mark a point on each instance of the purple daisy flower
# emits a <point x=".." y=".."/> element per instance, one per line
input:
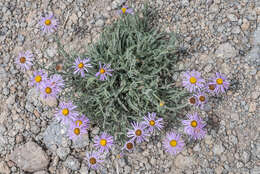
<point x="194" y="126"/>
<point x="125" y="10"/>
<point x="37" y="78"/>
<point x="153" y="123"/>
<point x="94" y="159"/>
<point x="192" y="81"/>
<point x="104" y="142"/>
<point x="81" y="121"/>
<point x="65" y="112"/>
<point x="24" y="60"/>
<point x="48" y="24"/>
<point x="173" y="143"/>
<point x="202" y="99"/>
<point x="57" y="82"/>
<point x="210" y="88"/>
<point x="47" y="89"/>
<point x="193" y="100"/>
<point x="81" y="66"/>
<point x="139" y="133"/>
<point x="103" y="71"/>
<point x="129" y="146"/>
<point x="221" y="83"/>
<point x="75" y="131"/>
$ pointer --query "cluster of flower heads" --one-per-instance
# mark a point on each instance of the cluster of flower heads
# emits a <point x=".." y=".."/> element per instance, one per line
<point x="200" y="88"/>
<point x="141" y="131"/>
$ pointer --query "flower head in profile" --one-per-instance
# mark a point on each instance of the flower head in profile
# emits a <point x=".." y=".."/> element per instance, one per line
<point x="221" y="83"/>
<point x="57" y="82"/>
<point x="66" y="112"/>
<point x="126" y="10"/>
<point x="48" y="90"/>
<point x="94" y="159"/>
<point x="37" y="78"/>
<point x="103" y="71"/>
<point x="129" y="146"/>
<point x="173" y="143"/>
<point x="192" y="81"/>
<point x="139" y="132"/>
<point x="81" y="65"/>
<point x="104" y="142"/>
<point x="202" y="99"/>
<point x="75" y="131"/>
<point x="152" y="123"/>
<point x="48" y="24"/>
<point x="24" y="60"/>
<point x="194" y="126"/>
<point x="81" y="121"/>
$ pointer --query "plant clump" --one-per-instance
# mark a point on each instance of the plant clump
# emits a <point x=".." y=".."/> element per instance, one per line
<point x="129" y="73"/>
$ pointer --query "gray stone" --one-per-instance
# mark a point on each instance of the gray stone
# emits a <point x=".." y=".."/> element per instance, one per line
<point x="183" y="162"/>
<point x="33" y="96"/>
<point x="21" y="38"/>
<point x="41" y="172"/>
<point x="51" y="52"/>
<point x="81" y="142"/>
<point x="6" y="58"/>
<point x="255" y="170"/>
<point x="232" y="17"/>
<point x="3" y="74"/>
<point x="29" y="107"/>
<point x="226" y="50"/>
<point x="54" y="134"/>
<point x="245" y="156"/>
<point x="50" y="101"/>
<point x="10" y="100"/>
<point x="30" y="157"/>
<point x="100" y="23"/>
<point x="197" y="148"/>
<point x="6" y="91"/>
<point x="236" y="30"/>
<point x="4" y="169"/>
<point x="63" y="152"/>
<point x="218" y="149"/>
<point x="72" y="163"/>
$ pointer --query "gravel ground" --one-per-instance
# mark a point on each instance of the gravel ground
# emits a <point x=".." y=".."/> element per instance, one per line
<point x="217" y="35"/>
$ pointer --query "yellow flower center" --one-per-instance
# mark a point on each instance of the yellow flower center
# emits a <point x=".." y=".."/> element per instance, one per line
<point x="65" y="111"/>
<point x="211" y="87"/>
<point x="78" y="122"/>
<point x="77" y="131"/>
<point x="22" y="59"/>
<point x="173" y="143"/>
<point x="162" y="103"/>
<point x="193" y="80"/>
<point x="138" y="132"/>
<point x="48" y="90"/>
<point x="202" y="98"/>
<point x="123" y="10"/>
<point x="48" y="22"/>
<point x="193" y="123"/>
<point x="102" y="71"/>
<point x="103" y="142"/>
<point x="38" y="79"/>
<point x="81" y="65"/>
<point x="129" y="145"/>
<point x="92" y="160"/>
<point x="219" y="81"/>
<point x="152" y="122"/>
